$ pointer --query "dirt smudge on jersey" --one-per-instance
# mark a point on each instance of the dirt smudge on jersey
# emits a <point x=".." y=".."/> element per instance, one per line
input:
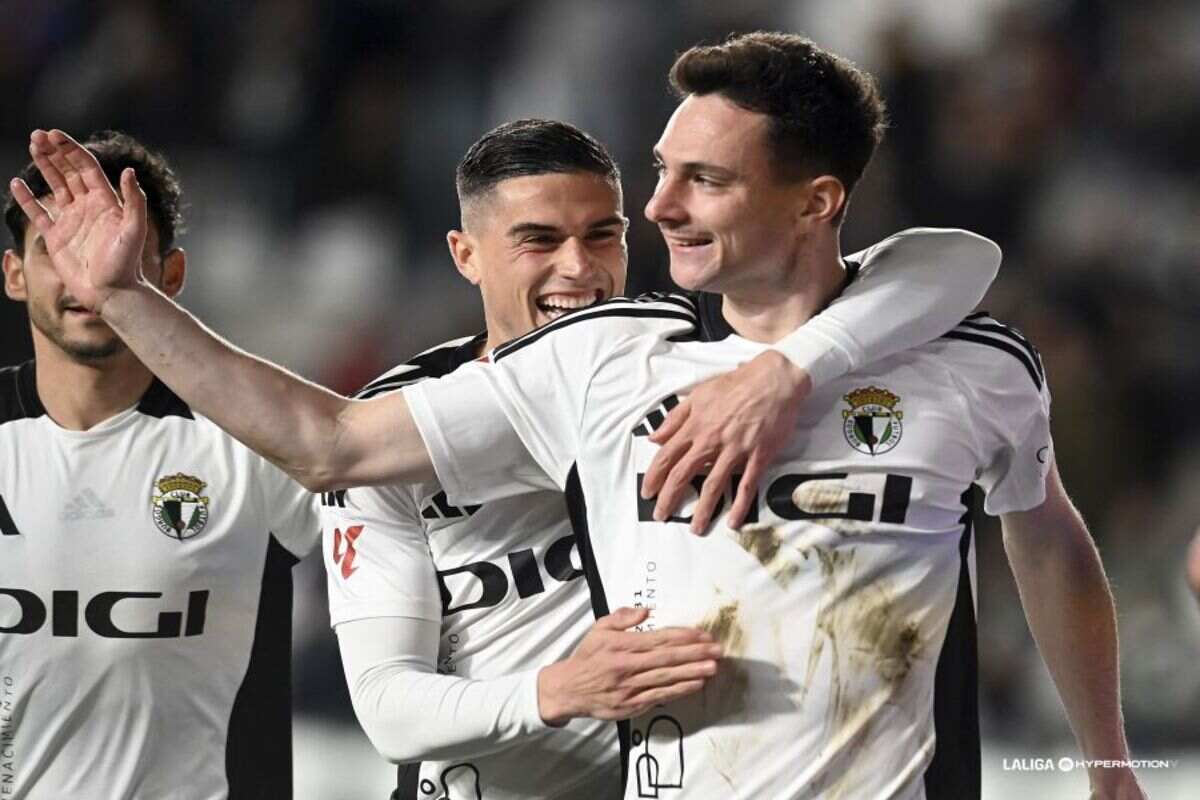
<point x="723" y="625"/>
<point x="725" y="693"/>
<point x="766" y="545"/>
<point x="819" y="497"/>
<point x="861" y="631"/>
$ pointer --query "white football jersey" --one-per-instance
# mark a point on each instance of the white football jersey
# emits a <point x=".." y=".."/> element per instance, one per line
<point x="845" y="604"/>
<point x="145" y="605"/>
<point x="502" y="579"/>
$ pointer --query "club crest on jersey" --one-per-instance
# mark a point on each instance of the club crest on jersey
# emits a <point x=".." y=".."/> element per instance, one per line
<point x="179" y="509"/>
<point x="872" y="424"/>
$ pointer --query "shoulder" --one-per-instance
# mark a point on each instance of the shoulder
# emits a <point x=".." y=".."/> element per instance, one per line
<point x="656" y="313"/>
<point x="435" y="362"/>
<point x="983" y="341"/>
<point x="18" y="393"/>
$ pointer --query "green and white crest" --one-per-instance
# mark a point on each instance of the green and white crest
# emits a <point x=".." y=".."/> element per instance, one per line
<point x="180" y="511"/>
<point x="872" y="424"/>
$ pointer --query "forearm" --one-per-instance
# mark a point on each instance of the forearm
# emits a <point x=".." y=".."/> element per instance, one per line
<point x="290" y="421"/>
<point x="913" y="287"/>
<point x="412" y="713"/>
<point x="1070" y="610"/>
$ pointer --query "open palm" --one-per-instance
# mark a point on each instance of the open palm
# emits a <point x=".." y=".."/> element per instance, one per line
<point x="94" y="238"/>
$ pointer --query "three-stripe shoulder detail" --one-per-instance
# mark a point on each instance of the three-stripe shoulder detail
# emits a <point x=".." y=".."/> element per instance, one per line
<point x="432" y="363"/>
<point x="652" y="305"/>
<point x="980" y="328"/>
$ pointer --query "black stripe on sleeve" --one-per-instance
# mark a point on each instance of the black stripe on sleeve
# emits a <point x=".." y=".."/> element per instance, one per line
<point x="583" y="315"/>
<point x="1001" y="344"/>
<point x="956" y="769"/>
<point x="1013" y="334"/>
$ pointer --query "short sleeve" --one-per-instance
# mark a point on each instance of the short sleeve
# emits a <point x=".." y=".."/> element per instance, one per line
<point x="377" y="557"/>
<point x="291" y="510"/>
<point x="511" y="425"/>
<point x="1010" y="401"/>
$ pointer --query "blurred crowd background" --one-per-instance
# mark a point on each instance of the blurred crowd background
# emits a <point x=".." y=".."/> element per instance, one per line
<point x="316" y="142"/>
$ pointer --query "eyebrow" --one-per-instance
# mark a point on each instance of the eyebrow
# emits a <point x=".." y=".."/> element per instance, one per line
<point x="538" y="227"/>
<point x="692" y="167"/>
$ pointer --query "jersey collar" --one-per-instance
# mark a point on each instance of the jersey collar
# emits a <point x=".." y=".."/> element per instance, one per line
<point x="713" y="325"/>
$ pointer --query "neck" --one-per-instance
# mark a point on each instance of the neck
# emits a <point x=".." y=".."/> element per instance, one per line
<point x="79" y="395"/>
<point x="768" y="309"/>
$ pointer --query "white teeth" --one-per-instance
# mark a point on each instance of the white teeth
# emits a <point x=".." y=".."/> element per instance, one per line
<point x="565" y="302"/>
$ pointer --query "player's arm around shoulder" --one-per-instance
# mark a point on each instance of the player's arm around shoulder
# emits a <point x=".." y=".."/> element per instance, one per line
<point x="1070" y="609"/>
<point x="911" y="288"/>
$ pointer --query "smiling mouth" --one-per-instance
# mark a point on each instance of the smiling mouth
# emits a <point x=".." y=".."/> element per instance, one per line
<point x="687" y="242"/>
<point x="555" y="305"/>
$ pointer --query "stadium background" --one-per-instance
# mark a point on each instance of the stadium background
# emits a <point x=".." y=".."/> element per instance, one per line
<point x="316" y="142"/>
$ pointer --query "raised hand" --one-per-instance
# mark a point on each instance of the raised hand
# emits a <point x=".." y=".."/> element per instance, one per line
<point x="94" y="238"/>
<point x="617" y="673"/>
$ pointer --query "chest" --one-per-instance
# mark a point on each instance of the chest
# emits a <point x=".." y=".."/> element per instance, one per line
<point x="153" y="505"/>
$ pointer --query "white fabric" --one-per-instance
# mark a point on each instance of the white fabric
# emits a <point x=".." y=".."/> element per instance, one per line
<point x="913" y="286"/>
<point x="834" y="603"/>
<point x="444" y="616"/>
<point x="85" y="710"/>
<point x="410" y="712"/>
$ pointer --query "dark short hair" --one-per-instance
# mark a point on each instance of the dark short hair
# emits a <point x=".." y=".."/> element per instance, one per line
<point x="826" y="115"/>
<point x="115" y="151"/>
<point x="530" y="147"/>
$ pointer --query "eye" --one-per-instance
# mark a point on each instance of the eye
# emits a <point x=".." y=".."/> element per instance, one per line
<point x="659" y="167"/>
<point x="539" y="240"/>
<point x="704" y="180"/>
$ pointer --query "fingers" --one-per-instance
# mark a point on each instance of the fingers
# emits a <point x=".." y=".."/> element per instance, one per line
<point x="133" y="216"/>
<point x="663" y="463"/>
<point x="655" y="661"/>
<point x="747" y="489"/>
<point x="40" y="149"/>
<point x="679" y="480"/>
<point x="80" y="162"/>
<point x="665" y="637"/>
<point x="644" y="701"/>
<point x="674" y="421"/>
<point x="39" y="217"/>
<point x="667" y="676"/>
<point x="54" y="153"/>
<point x="713" y="490"/>
<point x="623" y="619"/>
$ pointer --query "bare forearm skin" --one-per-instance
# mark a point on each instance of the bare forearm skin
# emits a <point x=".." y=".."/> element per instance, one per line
<point x="290" y="421"/>
<point x="1070" y="609"/>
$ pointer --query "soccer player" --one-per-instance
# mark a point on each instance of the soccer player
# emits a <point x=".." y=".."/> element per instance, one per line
<point x="465" y="630"/>
<point x="629" y="359"/>
<point x="145" y="556"/>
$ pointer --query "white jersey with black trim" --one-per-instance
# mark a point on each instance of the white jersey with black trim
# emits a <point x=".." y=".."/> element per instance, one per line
<point x="844" y="604"/>
<point x="503" y="581"/>
<point x="145" y="605"/>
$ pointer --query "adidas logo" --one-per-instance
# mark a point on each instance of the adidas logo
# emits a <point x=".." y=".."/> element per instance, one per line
<point x="85" y="505"/>
<point x="439" y="508"/>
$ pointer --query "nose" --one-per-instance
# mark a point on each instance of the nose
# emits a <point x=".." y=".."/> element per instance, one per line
<point x="574" y="259"/>
<point x="663" y="206"/>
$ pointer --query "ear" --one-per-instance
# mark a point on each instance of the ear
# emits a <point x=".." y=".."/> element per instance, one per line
<point x="462" y="250"/>
<point x="825" y="199"/>
<point x="174" y="271"/>
<point x="14" y="276"/>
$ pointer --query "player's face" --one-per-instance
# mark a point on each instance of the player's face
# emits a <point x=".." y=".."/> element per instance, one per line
<point x="54" y="313"/>
<point x="544" y="245"/>
<point x="726" y="218"/>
